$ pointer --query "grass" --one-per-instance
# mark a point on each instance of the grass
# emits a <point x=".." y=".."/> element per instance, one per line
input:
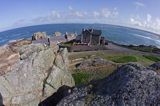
<point x="68" y="44"/>
<point x="151" y="49"/>
<point x="123" y="59"/>
<point x="152" y="58"/>
<point x="119" y="57"/>
<point x="85" y="76"/>
<point x="81" y="77"/>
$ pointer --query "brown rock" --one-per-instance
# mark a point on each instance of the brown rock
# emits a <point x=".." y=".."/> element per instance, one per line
<point x="21" y="42"/>
<point x="7" y="59"/>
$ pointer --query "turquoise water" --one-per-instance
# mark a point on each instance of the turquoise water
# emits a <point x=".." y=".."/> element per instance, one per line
<point x="119" y="34"/>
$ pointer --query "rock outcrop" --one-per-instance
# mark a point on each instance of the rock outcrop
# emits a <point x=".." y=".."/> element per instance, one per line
<point x="36" y="71"/>
<point x="97" y="62"/>
<point x="130" y="85"/>
<point x="57" y="34"/>
<point x="21" y="42"/>
<point x="155" y="66"/>
<point x="8" y="57"/>
<point x="39" y="35"/>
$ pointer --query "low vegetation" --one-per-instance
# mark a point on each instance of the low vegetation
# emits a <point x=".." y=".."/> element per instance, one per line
<point x="123" y="59"/>
<point x="143" y="48"/>
<point x="67" y="44"/>
<point x="81" y="77"/>
<point x="152" y="58"/>
<point x="84" y="76"/>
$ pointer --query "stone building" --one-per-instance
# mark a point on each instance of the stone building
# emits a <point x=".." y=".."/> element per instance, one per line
<point x="91" y="36"/>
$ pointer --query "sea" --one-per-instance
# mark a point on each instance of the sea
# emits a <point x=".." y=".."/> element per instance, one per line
<point x="118" y="34"/>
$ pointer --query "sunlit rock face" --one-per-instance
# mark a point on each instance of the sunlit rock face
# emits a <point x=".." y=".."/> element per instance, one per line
<point x="31" y="73"/>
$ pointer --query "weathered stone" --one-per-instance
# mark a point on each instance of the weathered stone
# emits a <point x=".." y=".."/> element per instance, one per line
<point x="95" y="62"/>
<point x="21" y="42"/>
<point x="70" y="36"/>
<point x="34" y="77"/>
<point x="64" y="54"/>
<point x="39" y="35"/>
<point x="57" y="34"/>
<point x="7" y="59"/>
<point x="26" y="51"/>
<point x="155" y="66"/>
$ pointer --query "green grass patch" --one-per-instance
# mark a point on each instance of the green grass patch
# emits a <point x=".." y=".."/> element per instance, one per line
<point x="152" y="58"/>
<point x="85" y="76"/>
<point x="123" y="59"/>
<point x="68" y="44"/>
<point x="81" y="77"/>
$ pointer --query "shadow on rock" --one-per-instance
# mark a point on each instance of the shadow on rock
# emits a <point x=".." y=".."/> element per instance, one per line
<point x="1" y="100"/>
<point x="54" y="99"/>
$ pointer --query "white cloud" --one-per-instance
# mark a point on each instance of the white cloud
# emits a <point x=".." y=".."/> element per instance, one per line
<point x="19" y="22"/>
<point x="72" y="15"/>
<point x="149" y="17"/>
<point x="136" y="22"/>
<point x="105" y="13"/>
<point x="70" y="8"/>
<point x="55" y="14"/>
<point x="96" y="14"/>
<point x="139" y="4"/>
<point x="149" y="23"/>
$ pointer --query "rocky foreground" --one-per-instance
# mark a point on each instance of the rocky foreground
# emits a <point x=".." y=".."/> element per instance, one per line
<point x="29" y="73"/>
<point x="129" y="85"/>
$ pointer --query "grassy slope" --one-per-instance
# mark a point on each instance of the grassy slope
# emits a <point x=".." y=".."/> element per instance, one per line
<point x="83" y="76"/>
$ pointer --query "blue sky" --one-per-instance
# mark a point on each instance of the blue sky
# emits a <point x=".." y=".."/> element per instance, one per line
<point x="142" y="14"/>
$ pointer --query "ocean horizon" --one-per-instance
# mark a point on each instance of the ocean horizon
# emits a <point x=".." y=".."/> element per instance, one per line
<point x="118" y="34"/>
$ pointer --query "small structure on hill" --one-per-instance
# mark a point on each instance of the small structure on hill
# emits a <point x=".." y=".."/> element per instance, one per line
<point x="70" y="36"/>
<point x="39" y="35"/>
<point x="91" y="36"/>
<point x="57" y="34"/>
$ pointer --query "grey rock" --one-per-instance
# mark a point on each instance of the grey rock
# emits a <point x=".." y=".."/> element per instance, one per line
<point x="130" y="85"/>
<point x="26" y="51"/>
<point x="57" y="34"/>
<point x="34" y="77"/>
<point x="39" y="35"/>
<point x="155" y="66"/>
<point x="94" y="62"/>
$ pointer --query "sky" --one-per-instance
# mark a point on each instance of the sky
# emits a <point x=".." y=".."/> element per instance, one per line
<point x="142" y="14"/>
